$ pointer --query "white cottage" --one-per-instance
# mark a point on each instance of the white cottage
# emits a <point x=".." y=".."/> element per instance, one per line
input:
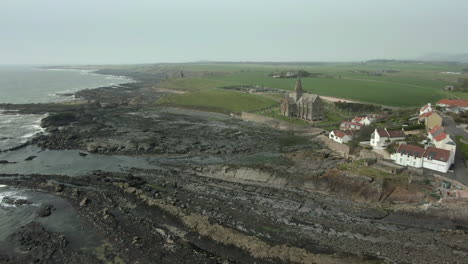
<point x="437" y="159"/>
<point x="381" y="137"/>
<point x="409" y="155"/>
<point x="431" y="158"/>
<point x="347" y="125"/>
<point x="441" y="140"/>
<point x="425" y="109"/>
<point x="341" y="136"/>
<point x="364" y="120"/>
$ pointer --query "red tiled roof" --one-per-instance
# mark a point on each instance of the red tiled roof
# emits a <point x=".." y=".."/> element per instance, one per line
<point x="358" y="119"/>
<point x="339" y="133"/>
<point x="437" y="154"/>
<point x="390" y="133"/>
<point x="459" y="102"/>
<point x="411" y="150"/>
<point x="427" y="114"/>
<point x="382" y="132"/>
<point x="351" y="123"/>
<point x="438" y="133"/>
<point x="435" y="129"/>
<point x="396" y="133"/>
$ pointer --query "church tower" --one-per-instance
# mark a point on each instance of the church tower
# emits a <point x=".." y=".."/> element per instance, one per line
<point x="298" y="88"/>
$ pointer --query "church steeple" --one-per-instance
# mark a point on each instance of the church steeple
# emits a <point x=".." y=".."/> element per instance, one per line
<point x="298" y="87"/>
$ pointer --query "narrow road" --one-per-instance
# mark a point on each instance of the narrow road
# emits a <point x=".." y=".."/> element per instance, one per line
<point x="460" y="172"/>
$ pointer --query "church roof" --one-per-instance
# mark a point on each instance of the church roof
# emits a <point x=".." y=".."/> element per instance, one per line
<point x="306" y="98"/>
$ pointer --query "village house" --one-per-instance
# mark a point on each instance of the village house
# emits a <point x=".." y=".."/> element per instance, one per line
<point x="462" y="104"/>
<point x="347" y="125"/>
<point x="409" y="155"/>
<point x="341" y="136"/>
<point x="365" y="120"/>
<point x="425" y="109"/>
<point x="381" y="137"/>
<point x="431" y="158"/>
<point x="441" y="140"/>
<point x="448" y="88"/>
<point x="454" y="109"/>
<point x="302" y="105"/>
<point x="437" y="159"/>
<point x="430" y="119"/>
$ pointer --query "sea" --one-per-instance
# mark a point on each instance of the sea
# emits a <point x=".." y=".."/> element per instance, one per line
<point x="30" y="84"/>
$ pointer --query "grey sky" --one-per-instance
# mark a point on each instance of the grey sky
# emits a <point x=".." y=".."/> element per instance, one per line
<point x="145" y="31"/>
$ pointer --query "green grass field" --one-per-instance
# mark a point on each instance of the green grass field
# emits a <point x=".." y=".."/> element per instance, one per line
<point x="392" y="93"/>
<point x="413" y="85"/>
<point x="204" y="94"/>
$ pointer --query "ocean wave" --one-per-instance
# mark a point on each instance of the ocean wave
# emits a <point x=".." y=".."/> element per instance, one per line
<point x="16" y="195"/>
<point x="18" y="129"/>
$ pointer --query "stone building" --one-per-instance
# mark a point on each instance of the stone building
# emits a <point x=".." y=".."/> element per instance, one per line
<point x="302" y="105"/>
<point x="431" y="119"/>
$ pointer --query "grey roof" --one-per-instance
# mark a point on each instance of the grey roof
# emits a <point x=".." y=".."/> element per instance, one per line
<point x="306" y="98"/>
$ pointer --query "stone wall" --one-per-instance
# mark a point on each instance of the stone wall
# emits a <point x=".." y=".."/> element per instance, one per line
<point x="341" y="149"/>
<point x="369" y="154"/>
<point x="280" y="124"/>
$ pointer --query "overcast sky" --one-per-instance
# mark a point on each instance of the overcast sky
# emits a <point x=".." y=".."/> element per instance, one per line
<point x="146" y="31"/>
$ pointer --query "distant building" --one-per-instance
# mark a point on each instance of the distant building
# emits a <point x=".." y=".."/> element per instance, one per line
<point x="302" y="105"/>
<point x="454" y="109"/>
<point x="381" y="137"/>
<point x="347" y="125"/>
<point x="341" y="136"/>
<point x="460" y="103"/>
<point x="448" y="88"/>
<point x="425" y="109"/>
<point x="365" y="120"/>
<point x="430" y="119"/>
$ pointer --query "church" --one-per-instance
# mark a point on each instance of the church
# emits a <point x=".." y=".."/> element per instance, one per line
<point x="302" y="105"/>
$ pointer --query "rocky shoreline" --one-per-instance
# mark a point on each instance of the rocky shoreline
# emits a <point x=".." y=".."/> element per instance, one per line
<point x="229" y="191"/>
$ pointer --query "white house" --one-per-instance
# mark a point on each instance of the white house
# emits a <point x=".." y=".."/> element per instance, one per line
<point x="408" y="155"/>
<point x="425" y="109"/>
<point x="441" y="140"/>
<point x="437" y="159"/>
<point x="431" y="158"/>
<point x="381" y="137"/>
<point x="461" y="104"/>
<point x="365" y="120"/>
<point x="341" y="136"/>
<point x="347" y="125"/>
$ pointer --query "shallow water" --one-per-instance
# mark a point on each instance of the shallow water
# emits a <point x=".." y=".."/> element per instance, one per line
<point x="71" y="163"/>
<point x="17" y="129"/>
<point x="63" y="219"/>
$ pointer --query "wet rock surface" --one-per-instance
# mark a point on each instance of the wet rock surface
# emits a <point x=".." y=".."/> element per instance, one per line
<point x="185" y="218"/>
<point x="45" y="210"/>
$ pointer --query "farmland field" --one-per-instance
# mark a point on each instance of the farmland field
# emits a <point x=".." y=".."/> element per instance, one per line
<point x="203" y="94"/>
<point x="406" y="85"/>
